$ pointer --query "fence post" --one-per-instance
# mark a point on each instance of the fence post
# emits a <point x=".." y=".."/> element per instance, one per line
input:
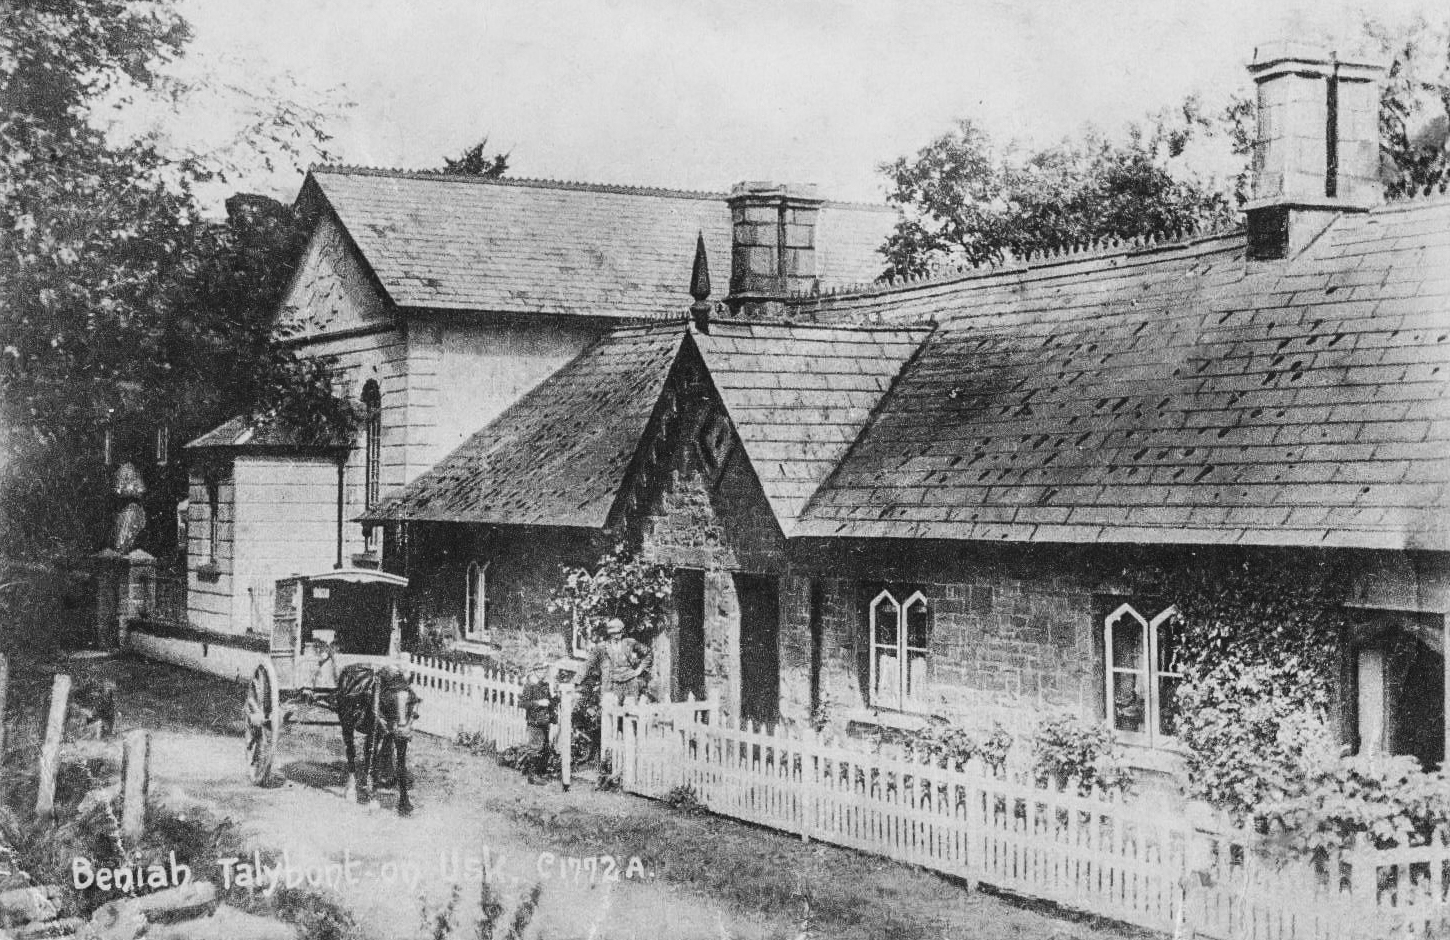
<point x="50" y="750"/>
<point x="629" y="725"/>
<point x="567" y="697"/>
<point x="136" y="777"/>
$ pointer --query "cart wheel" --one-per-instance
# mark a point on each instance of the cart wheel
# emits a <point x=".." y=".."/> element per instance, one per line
<point x="264" y="713"/>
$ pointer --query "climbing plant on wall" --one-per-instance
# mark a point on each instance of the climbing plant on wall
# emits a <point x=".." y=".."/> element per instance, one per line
<point x="1261" y="649"/>
<point x="621" y="585"/>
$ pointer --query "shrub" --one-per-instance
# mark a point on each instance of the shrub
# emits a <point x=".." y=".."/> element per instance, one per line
<point x="1066" y="748"/>
<point x="435" y="636"/>
<point x="1388" y="800"/>
<point x="622" y="585"/>
<point x="685" y="799"/>
<point x="1253" y="738"/>
<point x="941" y="741"/>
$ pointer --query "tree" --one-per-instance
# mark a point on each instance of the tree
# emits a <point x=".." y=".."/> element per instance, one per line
<point x="473" y="162"/>
<point x="1414" y="105"/>
<point x="966" y="199"/>
<point x="104" y="265"/>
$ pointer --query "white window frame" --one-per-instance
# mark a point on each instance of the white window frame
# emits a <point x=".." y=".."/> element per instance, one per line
<point x="901" y="681"/>
<point x="372" y="449"/>
<point x="475" y="600"/>
<point x="1149" y="673"/>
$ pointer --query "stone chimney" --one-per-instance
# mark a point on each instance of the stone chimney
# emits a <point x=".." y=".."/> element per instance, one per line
<point x="773" y="245"/>
<point x="1316" y="150"/>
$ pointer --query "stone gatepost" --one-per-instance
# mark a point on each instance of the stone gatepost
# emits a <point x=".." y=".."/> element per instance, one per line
<point x="108" y="563"/>
<point x="125" y="590"/>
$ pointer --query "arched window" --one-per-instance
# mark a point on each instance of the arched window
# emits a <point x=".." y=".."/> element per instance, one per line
<point x="475" y="601"/>
<point x="900" y="645"/>
<point x="1143" y="673"/>
<point x="372" y="400"/>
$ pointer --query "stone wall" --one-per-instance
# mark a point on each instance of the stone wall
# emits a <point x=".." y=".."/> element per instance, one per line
<point x="706" y="510"/>
<point x="523" y="571"/>
<point x="1014" y="632"/>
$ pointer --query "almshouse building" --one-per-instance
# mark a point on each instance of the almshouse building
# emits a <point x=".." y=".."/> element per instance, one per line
<point x="966" y="497"/>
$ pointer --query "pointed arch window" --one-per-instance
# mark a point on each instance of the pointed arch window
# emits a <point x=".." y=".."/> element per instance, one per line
<point x="475" y="601"/>
<point x="372" y="399"/>
<point x="1143" y="674"/>
<point x="900" y="648"/>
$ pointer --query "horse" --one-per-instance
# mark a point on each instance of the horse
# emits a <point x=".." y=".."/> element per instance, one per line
<point x="379" y="702"/>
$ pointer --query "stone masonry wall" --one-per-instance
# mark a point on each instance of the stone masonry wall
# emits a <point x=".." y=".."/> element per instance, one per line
<point x="706" y="510"/>
<point x="1013" y="635"/>
<point x="523" y="571"/>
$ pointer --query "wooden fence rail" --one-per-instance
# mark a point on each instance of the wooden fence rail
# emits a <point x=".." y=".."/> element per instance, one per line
<point x="458" y="698"/>
<point x="1129" y="860"/>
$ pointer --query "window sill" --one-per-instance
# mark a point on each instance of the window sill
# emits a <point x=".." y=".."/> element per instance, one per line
<point x="887" y="718"/>
<point x="1162" y="758"/>
<point x="209" y="572"/>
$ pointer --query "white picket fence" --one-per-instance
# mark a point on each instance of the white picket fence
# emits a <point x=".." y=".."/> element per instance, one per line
<point x="1128" y="860"/>
<point x="468" y="699"/>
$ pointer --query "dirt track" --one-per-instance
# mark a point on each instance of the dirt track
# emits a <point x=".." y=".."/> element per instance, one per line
<point x="701" y="877"/>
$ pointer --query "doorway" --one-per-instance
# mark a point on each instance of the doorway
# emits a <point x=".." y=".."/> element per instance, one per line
<point x="689" y="593"/>
<point x="759" y="598"/>
<point x="1419" y="728"/>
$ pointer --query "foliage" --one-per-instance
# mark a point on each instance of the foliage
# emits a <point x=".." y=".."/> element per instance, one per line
<point x="1414" y="113"/>
<point x="474" y="162"/>
<point x="622" y="585"/>
<point x="967" y="199"/>
<point x="685" y="799"/>
<point x="940" y="741"/>
<point x="1067" y="749"/>
<point x="1261" y="640"/>
<point x="435" y="636"/>
<point x="1390" y="801"/>
<point x="121" y="301"/>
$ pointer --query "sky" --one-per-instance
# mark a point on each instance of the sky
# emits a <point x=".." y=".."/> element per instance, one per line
<point x="699" y="95"/>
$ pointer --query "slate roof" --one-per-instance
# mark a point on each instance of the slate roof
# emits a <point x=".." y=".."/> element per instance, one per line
<point x="1173" y="395"/>
<point x="262" y="432"/>
<point x="799" y="395"/>
<point x="557" y="456"/>
<point x="537" y="246"/>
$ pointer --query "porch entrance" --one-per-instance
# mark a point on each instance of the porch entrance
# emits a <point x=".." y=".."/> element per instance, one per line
<point x="759" y="597"/>
<point x="689" y="593"/>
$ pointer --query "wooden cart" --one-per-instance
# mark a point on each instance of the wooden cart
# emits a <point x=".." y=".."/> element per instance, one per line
<point x="320" y="624"/>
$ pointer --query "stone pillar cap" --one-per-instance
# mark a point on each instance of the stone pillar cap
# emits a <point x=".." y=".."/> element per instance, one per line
<point x="758" y="189"/>
<point x="1286" y="55"/>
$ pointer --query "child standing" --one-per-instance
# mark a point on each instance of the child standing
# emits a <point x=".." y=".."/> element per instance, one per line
<point x="540" y="705"/>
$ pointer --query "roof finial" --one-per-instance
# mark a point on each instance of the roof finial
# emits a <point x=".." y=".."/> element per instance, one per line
<point x="700" y="287"/>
